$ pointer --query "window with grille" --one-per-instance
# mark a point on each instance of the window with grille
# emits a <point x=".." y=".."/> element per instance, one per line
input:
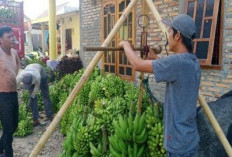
<point x="207" y="15"/>
<point x="116" y="62"/>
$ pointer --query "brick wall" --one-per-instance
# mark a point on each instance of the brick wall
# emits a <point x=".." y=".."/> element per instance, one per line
<point x="214" y="83"/>
<point x="90" y="27"/>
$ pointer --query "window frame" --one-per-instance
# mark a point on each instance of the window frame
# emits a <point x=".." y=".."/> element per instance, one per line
<point x="107" y="2"/>
<point x="117" y="65"/>
<point x="207" y="63"/>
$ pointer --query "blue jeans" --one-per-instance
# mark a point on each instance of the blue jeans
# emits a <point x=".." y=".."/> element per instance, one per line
<point x="33" y="102"/>
<point x="191" y="153"/>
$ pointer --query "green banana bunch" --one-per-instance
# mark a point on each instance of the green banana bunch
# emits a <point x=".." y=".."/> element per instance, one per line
<point x="135" y="151"/>
<point x="114" y="144"/>
<point x="118" y="147"/>
<point x="139" y="131"/>
<point x="121" y="128"/>
<point x="130" y="135"/>
<point x="155" y="132"/>
<point x="96" y="152"/>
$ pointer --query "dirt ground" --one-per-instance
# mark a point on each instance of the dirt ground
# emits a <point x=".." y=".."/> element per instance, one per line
<point x="24" y="145"/>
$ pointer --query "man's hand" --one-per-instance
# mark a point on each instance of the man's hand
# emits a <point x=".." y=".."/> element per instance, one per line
<point x="151" y="54"/>
<point x="124" y="44"/>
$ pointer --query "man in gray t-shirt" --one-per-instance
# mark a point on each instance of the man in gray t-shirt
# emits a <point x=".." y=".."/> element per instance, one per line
<point x="181" y="72"/>
<point x="34" y="78"/>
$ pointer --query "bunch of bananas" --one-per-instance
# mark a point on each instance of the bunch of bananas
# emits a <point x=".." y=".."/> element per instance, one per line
<point x="96" y="152"/>
<point x="112" y="86"/>
<point x="130" y="136"/>
<point x="154" y="127"/>
<point x="155" y="141"/>
<point x="83" y="95"/>
<point x="96" y="91"/>
<point x="85" y="135"/>
<point x="68" y="144"/>
<point x="67" y="120"/>
<point x="107" y="99"/>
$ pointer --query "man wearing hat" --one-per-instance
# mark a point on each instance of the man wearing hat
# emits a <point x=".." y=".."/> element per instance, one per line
<point x="181" y="72"/>
<point x="34" y="77"/>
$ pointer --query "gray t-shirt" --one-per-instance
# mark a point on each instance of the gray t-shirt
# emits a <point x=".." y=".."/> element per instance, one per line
<point x="181" y="72"/>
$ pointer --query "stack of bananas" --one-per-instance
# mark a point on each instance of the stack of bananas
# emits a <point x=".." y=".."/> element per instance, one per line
<point x="96" y="152"/>
<point x="130" y="136"/>
<point x="154" y="127"/>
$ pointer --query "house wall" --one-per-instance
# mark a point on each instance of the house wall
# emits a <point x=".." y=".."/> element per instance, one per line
<point x="36" y="38"/>
<point x="214" y="83"/>
<point x="90" y="27"/>
<point x="73" y="22"/>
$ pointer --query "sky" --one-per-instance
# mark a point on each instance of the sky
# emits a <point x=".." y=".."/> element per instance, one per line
<point x="33" y="8"/>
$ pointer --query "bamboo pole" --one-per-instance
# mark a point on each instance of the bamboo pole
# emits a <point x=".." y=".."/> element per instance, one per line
<point x="215" y="125"/>
<point x="201" y="99"/>
<point x="157" y="17"/>
<point x="51" y="128"/>
<point x="157" y="49"/>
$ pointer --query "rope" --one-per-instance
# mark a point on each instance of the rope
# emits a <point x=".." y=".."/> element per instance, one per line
<point x="147" y="88"/>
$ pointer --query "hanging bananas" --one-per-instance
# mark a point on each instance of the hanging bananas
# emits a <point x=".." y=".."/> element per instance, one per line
<point x="130" y="136"/>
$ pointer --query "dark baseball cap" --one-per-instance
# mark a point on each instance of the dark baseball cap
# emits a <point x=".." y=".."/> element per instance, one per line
<point x="27" y="80"/>
<point x="184" y="24"/>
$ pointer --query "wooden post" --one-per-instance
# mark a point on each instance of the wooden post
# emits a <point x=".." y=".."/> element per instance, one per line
<point x="43" y="38"/>
<point x="62" y="36"/>
<point x="51" y="128"/>
<point x="201" y="99"/>
<point x="52" y="30"/>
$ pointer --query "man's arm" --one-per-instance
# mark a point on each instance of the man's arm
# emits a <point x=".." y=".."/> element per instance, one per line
<point x="137" y="63"/>
<point x="17" y="62"/>
<point x="19" y="79"/>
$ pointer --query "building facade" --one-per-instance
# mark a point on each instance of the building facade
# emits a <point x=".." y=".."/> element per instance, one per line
<point x="213" y="43"/>
<point x="67" y="29"/>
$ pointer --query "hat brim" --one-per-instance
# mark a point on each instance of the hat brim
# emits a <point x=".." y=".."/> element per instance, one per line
<point x="166" y="22"/>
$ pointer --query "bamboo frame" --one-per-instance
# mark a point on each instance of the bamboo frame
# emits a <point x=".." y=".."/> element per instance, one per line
<point x="157" y="17"/>
<point x="90" y="68"/>
<point x="51" y="128"/>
